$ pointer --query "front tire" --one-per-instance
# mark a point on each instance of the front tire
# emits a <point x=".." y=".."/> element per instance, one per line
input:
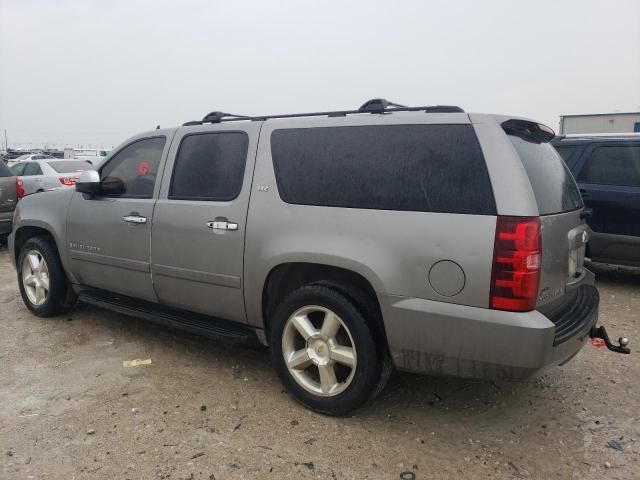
<point x="324" y="350"/>
<point x="44" y="286"/>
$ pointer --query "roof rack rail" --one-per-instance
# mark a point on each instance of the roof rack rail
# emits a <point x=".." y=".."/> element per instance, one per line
<point x="376" y="105"/>
<point x="215" y="117"/>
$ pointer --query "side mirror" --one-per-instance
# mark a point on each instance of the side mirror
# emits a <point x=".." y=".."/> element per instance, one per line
<point x="89" y="182"/>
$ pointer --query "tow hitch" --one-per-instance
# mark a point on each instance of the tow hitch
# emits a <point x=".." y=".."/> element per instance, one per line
<point x="601" y="333"/>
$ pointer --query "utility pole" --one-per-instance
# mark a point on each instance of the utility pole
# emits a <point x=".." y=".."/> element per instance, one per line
<point x="6" y="144"/>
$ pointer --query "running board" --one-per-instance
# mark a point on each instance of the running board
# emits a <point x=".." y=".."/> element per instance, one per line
<point x="167" y="316"/>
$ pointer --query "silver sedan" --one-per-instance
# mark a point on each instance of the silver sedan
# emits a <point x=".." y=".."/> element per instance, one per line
<point x="49" y="174"/>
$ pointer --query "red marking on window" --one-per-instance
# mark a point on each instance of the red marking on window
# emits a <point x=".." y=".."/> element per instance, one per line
<point x="143" y="168"/>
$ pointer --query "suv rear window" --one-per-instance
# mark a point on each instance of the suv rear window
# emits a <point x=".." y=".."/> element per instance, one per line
<point x="424" y="168"/>
<point x="552" y="183"/>
<point x="4" y="170"/>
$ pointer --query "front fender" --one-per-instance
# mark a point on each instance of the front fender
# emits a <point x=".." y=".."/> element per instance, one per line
<point x="47" y="211"/>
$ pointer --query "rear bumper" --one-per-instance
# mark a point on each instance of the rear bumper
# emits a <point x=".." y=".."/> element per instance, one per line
<point x="446" y="339"/>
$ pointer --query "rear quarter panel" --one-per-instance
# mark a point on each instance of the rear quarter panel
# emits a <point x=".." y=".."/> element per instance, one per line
<point x="393" y="250"/>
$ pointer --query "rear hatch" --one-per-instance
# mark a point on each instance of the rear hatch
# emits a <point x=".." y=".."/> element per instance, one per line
<point x="564" y="232"/>
<point x="8" y="197"/>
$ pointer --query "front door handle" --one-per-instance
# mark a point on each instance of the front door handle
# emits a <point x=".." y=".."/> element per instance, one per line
<point x="134" y="217"/>
<point x="222" y="224"/>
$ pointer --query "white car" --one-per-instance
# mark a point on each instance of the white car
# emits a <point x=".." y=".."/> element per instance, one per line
<point x="28" y="157"/>
<point x="48" y="174"/>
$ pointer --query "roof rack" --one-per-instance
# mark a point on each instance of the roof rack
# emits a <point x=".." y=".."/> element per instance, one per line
<point x="376" y="105"/>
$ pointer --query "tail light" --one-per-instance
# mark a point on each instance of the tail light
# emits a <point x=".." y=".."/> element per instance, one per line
<point x="68" y="181"/>
<point x="517" y="258"/>
<point x="19" y="188"/>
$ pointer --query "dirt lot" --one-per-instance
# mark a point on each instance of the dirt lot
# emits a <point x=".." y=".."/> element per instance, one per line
<point x="205" y="410"/>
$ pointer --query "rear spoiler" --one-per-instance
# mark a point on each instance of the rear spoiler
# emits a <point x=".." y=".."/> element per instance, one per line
<point x="529" y="131"/>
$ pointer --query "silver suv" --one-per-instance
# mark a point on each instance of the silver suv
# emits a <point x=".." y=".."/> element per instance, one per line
<point x="425" y="239"/>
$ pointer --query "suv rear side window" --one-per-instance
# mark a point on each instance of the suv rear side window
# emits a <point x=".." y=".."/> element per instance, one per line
<point x="133" y="170"/>
<point x="614" y="165"/>
<point x="210" y="166"/>
<point x="552" y="183"/>
<point x="425" y="168"/>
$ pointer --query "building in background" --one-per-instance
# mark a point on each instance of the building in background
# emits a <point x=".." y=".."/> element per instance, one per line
<point x="600" y="123"/>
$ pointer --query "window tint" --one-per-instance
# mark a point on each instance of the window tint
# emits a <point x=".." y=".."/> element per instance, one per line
<point x="552" y="183"/>
<point x="32" y="168"/>
<point x="71" y="166"/>
<point x="426" y="168"/>
<point x="132" y="172"/>
<point x="566" y="151"/>
<point x="18" y="168"/>
<point x="5" y="171"/>
<point x="210" y="166"/>
<point x="614" y="165"/>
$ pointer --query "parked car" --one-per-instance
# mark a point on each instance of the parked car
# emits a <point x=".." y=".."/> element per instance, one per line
<point x="55" y="153"/>
<point x="423" y="238"/>
<point x="607" y="169"/>
<point x="13" y="154"/>
<point x="29" y="157"/>
<point x="8" y="201"/>
<point x="40" y="175"/>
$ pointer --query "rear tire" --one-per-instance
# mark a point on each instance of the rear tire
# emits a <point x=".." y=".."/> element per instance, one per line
<point x="325" y="351"/>
<point x="43" y="284"/>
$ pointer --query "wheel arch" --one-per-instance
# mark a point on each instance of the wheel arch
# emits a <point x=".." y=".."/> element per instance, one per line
<point x="25" y="232"/>
<point x="286" y="277"/>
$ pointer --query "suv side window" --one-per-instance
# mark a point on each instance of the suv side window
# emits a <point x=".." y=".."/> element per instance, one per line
<point x="132" y="172"/>
<point x="613" y="165"/>
<point x="209" y="166"/>
<point x="32" y="168"/>
<point x="423" y="168"/>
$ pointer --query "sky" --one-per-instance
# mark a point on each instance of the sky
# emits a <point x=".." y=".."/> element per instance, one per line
<point x="93" y="73"/>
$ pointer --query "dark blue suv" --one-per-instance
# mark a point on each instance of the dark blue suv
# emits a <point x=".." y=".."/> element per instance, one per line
<point x="607" y="169"/>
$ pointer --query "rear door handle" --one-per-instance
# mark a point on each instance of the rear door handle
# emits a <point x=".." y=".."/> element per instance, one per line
<point x="222" y="224"/>
<point x="134" y="217"/>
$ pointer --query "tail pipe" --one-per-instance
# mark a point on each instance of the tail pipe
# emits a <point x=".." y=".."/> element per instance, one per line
<point x="601" y="333"/>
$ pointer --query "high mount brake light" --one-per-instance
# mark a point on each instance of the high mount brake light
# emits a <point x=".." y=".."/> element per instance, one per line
<point x="517" y="258"/>
<point x="529" y="131"/>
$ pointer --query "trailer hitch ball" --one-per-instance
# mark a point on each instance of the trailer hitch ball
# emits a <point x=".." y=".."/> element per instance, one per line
<point x="601" y="332"/>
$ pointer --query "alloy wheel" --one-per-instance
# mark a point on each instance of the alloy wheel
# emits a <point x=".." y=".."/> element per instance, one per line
<point x="35" y="277"/>
<point x="319" y="351"/>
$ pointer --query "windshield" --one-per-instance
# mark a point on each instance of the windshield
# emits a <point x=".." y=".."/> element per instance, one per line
<point x="71" y="166"/>
<point x="21" y="158"/>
